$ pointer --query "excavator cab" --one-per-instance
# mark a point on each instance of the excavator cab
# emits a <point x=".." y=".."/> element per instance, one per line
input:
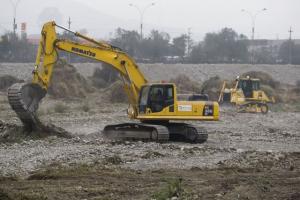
<point x="154" y="98"/>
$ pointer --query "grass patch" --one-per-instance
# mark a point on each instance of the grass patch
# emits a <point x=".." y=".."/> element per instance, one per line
<point x="58" y="172"/>
<point x="30" y="196"/>
<point x="115" y="160"/>
<point x="8" y="178"/>
<point x="172" y="189"/>
<point x="152" y="154"/>
<point x="4" y="195"/>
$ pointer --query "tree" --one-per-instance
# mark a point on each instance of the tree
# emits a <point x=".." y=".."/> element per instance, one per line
<point x="265" y="55"/>
<point x="179" y="45"/>
<point x="225" y="46"/>
<point x="13" y="49"/>
<point x="129" y="41"/>
<point x="289" y="52"/>
<point x="156" y="46"/>
<point x="197" y="54"/>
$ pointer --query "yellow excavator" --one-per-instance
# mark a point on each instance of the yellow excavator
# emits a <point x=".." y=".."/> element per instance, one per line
<point x="155" y="105"/>
<point x="246" y="95"/>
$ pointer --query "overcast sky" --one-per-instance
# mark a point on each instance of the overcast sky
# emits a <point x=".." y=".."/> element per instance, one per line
<point x="101" y="17"/>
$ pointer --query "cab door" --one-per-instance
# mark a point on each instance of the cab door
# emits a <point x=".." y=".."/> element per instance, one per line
<point x="155" y="98"/>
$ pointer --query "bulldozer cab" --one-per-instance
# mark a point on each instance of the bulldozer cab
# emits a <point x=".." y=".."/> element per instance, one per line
<point x="156" y="97"/>
<point x="248" y="86"/>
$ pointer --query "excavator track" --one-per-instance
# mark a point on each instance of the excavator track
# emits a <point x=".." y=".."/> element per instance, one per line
<point x="196" y="134"/>
<point x="136" y="131"/>
<point x="187" y="132"/>
<point x="24" y="99"/>
<point x="154" y="132"/>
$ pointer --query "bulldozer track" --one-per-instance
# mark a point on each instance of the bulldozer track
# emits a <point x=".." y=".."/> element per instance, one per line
<point x="254" y="107"/>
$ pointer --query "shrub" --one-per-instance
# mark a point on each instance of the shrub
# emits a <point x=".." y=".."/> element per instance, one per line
<point x="6" y="81"/>
<point x="85" y="107"/>
<point x="173" y="189"/>
<point x="185" y="84"/>
<point x="117" y="93"/>
<point x="60" y="108"/>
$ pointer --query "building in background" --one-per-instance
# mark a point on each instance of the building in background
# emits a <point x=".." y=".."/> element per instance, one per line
<point x="267" y="51"/>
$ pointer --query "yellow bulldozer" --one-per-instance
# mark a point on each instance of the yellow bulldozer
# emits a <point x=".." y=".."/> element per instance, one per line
<point x="162" y="116"/>
<point x="246" y="94"/>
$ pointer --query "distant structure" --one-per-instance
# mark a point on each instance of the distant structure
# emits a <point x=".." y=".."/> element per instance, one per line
<point x="271" y="46"/>
<point x="34" y="39"/>
<point x="23" y="31"/>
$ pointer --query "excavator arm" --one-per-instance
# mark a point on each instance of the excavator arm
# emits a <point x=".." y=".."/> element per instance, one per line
<point x="25" y="98"/>
<point x="100" y="51"/>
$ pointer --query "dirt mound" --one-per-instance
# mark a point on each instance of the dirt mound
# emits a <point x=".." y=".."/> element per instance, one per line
<point x="264" y="77"/>
<point x="103" y="77"/>
<point x="270" y="92"/>
<point x="212" y="87"/>
<point x="185" y="84"/>
<point x="6" y="81"/>
<point x="15" y="133"/>
<point x="67" y="82"/>
<point x="115" y="93"/>
<point x="296" y="89"/>
<point x="106" y="78"/>
<point x="283" y="93"/>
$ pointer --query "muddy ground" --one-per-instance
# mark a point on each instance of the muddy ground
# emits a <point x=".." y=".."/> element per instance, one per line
<point x="247" y="156"/>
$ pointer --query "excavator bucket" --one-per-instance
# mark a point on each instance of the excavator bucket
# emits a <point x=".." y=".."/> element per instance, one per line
<point x="24" y="99"/>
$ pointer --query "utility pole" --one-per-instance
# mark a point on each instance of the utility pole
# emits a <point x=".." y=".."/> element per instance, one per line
<point x="253" y="19"/>
<point x="69" y="26"/>
<point x="69" y="23"/>
<point x="188" y="46"/>
<point x="142" y="12"/>
<point x="290" y="45"/>
<point x="15" y="5"/>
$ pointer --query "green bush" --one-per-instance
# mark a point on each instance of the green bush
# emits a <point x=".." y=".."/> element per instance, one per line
<point x="172" y="189"/>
